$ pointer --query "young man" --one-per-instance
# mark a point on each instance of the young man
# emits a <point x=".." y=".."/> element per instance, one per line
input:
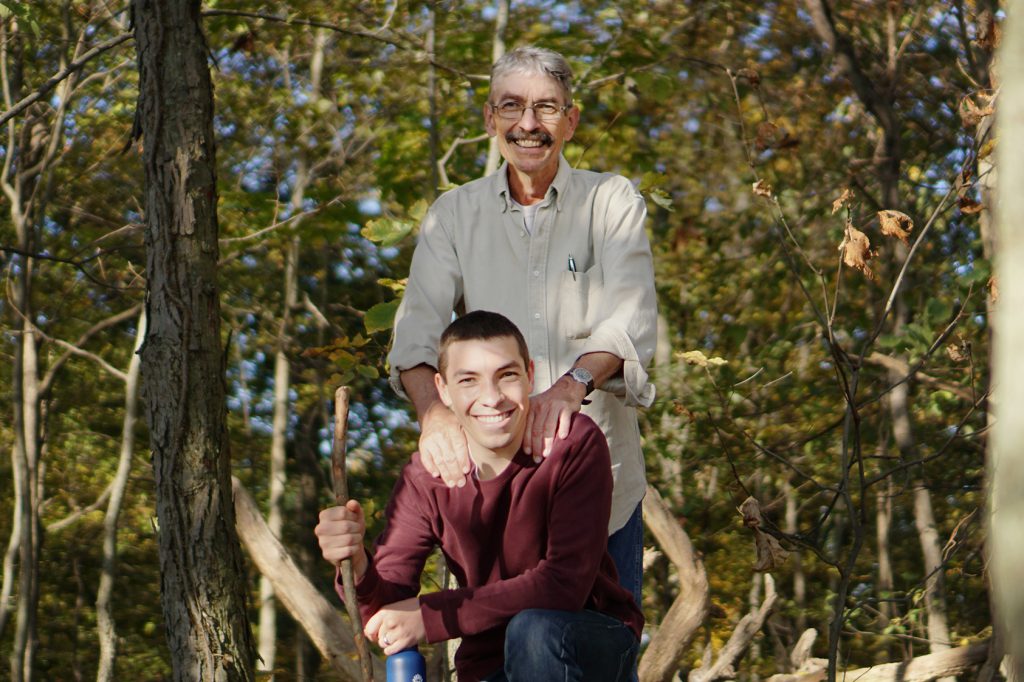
<point x="538" y="595"/>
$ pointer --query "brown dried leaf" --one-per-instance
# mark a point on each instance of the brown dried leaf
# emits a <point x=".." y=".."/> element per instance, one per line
<point x="751" y="76"/>
<point x="762" y="189"/>
<point x="963" y="181"/>
<point x="767" y="135"/>
<point x="954" y="352"/>
<point x="989" y="32"/>
<point x="971" y="114"/>
<point x="769" y="551"/>
<point x="856" y="248"/>
<point x="896" y="224"/>
<point x="993" y="288"/>
<point x="843" y="200"/>
<point x="969" y="206"/>
<point x="751" y="511"/>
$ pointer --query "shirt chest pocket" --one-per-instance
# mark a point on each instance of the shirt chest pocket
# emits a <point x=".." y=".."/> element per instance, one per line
<point x="579" y="298"/>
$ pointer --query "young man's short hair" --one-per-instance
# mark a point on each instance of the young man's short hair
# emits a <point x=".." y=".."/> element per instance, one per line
<point x="479" y="325"/>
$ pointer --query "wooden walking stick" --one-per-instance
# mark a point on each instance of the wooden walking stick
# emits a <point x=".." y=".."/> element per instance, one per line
<point x="341" y="497"/>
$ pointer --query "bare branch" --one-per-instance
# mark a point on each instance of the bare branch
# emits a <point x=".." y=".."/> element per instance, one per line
<point x="418" y="53"/>
<point x="725" y="666"/>
<point x="54" y="80"/>
<point x="76" y="348"/>
<point x="73" y="517"/>
<point x="443" y="161"/>
<point x="909" y="372"/>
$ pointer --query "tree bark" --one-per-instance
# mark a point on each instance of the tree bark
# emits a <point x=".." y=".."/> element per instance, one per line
<point x="1006" y="445"/>
<point x="203" y="585"/>
<point x="104" y="617"/>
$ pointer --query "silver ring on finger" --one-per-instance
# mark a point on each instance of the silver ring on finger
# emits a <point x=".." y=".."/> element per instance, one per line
<point x="384" y="638"/>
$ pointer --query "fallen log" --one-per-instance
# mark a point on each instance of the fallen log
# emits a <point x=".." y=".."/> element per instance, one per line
<point x="918" y="669"/>
<point x="328" y="631"/>
<point x="687" y="613"/>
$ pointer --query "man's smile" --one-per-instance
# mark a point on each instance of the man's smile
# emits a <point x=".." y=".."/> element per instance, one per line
<point x="493" y="418"/>
<point x="529" y="140"/>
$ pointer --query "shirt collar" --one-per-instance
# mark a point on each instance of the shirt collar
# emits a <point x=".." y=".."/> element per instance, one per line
<point x="559" y="184"/>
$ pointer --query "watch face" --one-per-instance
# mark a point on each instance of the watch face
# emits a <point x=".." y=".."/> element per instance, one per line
<point x="583" y="376"/>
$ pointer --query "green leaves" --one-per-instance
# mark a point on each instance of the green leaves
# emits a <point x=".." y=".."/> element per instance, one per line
<point x="391" y="231"/>
<point x="651" y="184"/>
<point x="21" y="10"/>
<point x="387" y="231"/>
<point x="381" y="316"/>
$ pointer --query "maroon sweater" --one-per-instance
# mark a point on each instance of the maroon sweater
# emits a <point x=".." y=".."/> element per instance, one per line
<point x="535" y="536"/>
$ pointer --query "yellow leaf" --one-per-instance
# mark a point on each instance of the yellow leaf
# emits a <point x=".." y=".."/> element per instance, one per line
<point x="695" y="357"/>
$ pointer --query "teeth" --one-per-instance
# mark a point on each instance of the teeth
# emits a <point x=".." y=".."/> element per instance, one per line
<point x="528" y="143"/>
<point x="491" y="418"/>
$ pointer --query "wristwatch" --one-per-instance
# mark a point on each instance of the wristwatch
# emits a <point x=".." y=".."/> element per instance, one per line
<point x="582" y="376"/>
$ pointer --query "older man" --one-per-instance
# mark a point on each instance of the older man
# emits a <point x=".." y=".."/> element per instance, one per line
<point x="564" y="255"/>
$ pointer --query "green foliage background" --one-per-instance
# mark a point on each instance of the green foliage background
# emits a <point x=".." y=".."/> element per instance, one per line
<point x="694" y="101"/>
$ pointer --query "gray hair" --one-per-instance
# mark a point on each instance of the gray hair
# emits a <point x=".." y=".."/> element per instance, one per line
<point x="535" y="60"/>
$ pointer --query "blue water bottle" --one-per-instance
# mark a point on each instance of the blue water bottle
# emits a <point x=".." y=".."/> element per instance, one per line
<point x="407" y="666"/>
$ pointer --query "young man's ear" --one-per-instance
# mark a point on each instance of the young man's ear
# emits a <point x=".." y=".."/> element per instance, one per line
<point x="442" y="389"/>
<point x="529" y="375"/>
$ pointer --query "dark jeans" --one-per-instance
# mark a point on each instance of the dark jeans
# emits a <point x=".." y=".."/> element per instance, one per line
<point x="567" y="646"/>
<point x="626" y="545"/>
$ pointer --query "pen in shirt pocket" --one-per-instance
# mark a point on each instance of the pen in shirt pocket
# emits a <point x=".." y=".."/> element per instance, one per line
<point x="572" y="267"/>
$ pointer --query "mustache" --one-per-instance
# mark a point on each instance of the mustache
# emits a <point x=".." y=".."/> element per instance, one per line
<point x="534" y="135"/>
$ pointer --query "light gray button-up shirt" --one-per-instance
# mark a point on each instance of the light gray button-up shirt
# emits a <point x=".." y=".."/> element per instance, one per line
<point x="474" y="249"/>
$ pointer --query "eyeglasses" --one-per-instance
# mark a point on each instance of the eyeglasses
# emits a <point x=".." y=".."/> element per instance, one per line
<point x="543" y="111"/>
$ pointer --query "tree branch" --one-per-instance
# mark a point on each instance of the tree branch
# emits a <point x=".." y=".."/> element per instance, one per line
<point x="75" y="349"/>
<point x="54" y="80"/>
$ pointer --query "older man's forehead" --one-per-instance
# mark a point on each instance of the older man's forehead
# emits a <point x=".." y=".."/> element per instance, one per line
<point x="514" y="85"/>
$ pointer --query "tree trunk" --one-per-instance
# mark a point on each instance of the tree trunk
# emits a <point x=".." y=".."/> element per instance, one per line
<point x="104" y="617"/>
<point x="935" y="581"/>
<point x="883" y="522"/>
<point x="278" y="448"/>
<point x="282" y="366"/>
<point x="799" y="579"/>
<point x="1006" y="445"/>
<point x="497" y="51"/>
<point x="202" y="573"/>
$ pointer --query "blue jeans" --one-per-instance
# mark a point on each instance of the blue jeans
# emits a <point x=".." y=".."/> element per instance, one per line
<point x="626" y="545"/>
<point x="567" y="646"/>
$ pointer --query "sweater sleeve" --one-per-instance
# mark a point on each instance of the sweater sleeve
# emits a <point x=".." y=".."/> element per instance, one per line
<point x="579" y="504"/>
<point x="399" y="553"/>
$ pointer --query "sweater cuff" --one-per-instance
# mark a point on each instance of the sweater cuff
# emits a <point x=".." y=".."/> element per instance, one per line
<point x="440" y="622"/>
